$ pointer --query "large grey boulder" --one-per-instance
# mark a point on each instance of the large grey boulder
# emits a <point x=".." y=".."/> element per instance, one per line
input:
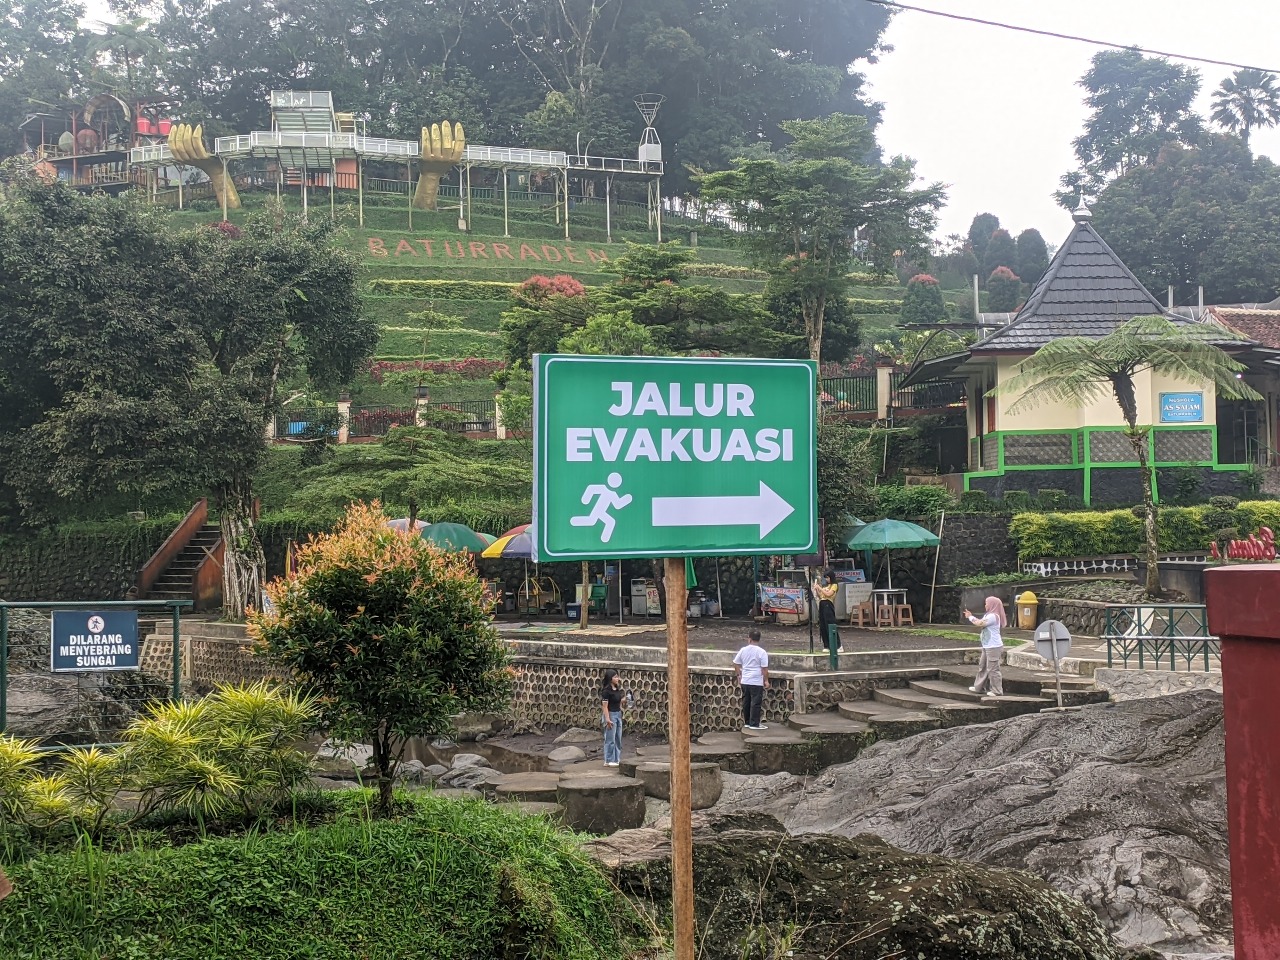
<point x="49" y="707"/>
<point x="469" y="777"/>
<point x="758" y="890"/>
<point x="1123" y="806"/>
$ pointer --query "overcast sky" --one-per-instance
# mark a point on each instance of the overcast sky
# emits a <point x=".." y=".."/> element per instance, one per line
<point x="992" y="112"/>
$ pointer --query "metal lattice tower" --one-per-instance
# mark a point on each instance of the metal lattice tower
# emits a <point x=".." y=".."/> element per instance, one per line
<point x="648" y="104"/>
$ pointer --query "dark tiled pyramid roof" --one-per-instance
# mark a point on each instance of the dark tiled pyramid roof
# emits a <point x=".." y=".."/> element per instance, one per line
<point x="1086" y="292"/>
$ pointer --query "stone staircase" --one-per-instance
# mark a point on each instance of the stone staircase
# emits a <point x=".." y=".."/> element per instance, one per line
<point x="177" y="580"/>
<point x="588" y="796"/>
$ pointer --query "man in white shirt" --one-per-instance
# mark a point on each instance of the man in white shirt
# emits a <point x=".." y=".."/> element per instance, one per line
<point x="751" y="665"/>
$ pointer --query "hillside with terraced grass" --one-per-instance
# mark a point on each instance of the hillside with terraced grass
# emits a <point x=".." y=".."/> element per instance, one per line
<point x="415" y="261"/>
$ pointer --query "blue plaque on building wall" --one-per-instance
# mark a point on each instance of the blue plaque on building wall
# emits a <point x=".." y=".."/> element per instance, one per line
<point x="89" y="641"/>
<point x="1182" y="408"/>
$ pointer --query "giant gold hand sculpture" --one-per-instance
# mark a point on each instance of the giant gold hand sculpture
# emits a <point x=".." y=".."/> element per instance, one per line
<point x="186" y="143"/>
<point x="442" y="146"/>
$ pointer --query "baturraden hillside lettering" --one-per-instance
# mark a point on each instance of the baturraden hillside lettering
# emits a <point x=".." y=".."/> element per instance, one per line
<point x="428" y="248"/>
<point x="673" y="456"/>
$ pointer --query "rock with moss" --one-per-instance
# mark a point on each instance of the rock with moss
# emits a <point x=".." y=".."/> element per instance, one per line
<point x="761" y="892"/>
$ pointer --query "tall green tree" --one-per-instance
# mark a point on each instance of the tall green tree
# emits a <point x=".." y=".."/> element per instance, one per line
<point x="817" y="205"/>
<point x="1004" y="290"/>
<point x="41" y="62"/>
<point x="1203" y="215"/>
<point x="1032" y="256"/>
<point x="922" y="302"/>
<point x="1246" y="101"/>
<point x="980" y="231"/>
<point x="1001" y="252"/>
<point x="141" y="359"/>
<point x="1076" y="371"/>
<point x="128" y="45"/>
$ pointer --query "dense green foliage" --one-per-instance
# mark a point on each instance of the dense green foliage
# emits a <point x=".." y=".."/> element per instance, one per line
<point x="392" y="635"/>
<point x="140" y="359"/>
<point x="1103" y="533"/>
<point x="981" y="229"/>
<point x="807" y="205"/>
<point x="1032" y="256"/>
<point x="485" y="484"/>
<point x="1004" y="290"/>
<point x="233" y="754"/>
<point x="534" y="74"/>
<point x="1203" y="215"/>
<point x="922" y="303"/>
<point x="450" y="879"/>
<point x="1001" y="251"/>
<point x="1246" y="101"/>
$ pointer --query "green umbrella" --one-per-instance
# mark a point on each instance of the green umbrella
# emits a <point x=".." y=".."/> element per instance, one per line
<point x="891" y="535"/>
<point x="454" y="536"/>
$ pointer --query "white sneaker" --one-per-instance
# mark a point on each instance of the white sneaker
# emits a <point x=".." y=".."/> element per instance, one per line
<point x="761" y="726"/>
<point x="610" y="764"/>
<point x="973" y="689"/>
<point x="839" y="649"/>
<point x="991" y="696"/>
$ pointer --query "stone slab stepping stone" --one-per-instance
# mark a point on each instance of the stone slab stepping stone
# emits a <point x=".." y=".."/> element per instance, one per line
<point x="720" y="738"/>
<point x="731" y="757"/>
<point x="531" y="808"/>
<point x="590" y="768"/>
<point x="704" y="783"/>
<point x="533" y="787"/>
<point x="601" y="804"/>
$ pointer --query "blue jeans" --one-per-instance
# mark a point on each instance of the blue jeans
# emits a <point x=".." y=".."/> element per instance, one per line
<point x="613" y="739"/>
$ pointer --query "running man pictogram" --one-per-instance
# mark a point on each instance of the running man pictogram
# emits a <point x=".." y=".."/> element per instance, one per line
<point x="606" y="499"/>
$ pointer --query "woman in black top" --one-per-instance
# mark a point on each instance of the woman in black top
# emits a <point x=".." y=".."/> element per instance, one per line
<point x="611" y="709"/>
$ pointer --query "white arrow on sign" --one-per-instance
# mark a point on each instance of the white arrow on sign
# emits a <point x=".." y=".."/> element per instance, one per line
<point x="766" y="510"/>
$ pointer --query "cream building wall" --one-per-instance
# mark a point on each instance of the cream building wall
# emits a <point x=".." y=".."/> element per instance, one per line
<point x="1102" y="411"/>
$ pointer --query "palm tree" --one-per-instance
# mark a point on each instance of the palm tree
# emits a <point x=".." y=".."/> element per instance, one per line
<point x="1076" y="370"/>
<point x="126" y="42"/>
<point x="1245" y="101"/>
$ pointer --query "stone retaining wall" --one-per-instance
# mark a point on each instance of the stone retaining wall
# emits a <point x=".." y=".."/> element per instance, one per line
<point x="567" y="693"/>
<point x="1145" y="684"/>
<point x="1087" y="617"/>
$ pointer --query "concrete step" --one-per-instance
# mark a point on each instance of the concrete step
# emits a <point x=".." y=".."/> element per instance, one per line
<point x="730" y="757"/>
<point x="889" y="722"/>
<point x="954" y="712"/>
<point x="825" y="722"/>
<point x="1022" y="682"/>
<point x="925" y="703"/>
<point x="953" y="691"/>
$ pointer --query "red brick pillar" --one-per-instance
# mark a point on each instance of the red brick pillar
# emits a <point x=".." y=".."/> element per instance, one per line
<point x="1244" y="610"/>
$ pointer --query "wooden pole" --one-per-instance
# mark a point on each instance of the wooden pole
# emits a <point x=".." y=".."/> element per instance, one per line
<point x="678" y="734"/>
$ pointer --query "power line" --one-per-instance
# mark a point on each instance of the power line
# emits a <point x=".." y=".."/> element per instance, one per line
<point x="893" y="4"/>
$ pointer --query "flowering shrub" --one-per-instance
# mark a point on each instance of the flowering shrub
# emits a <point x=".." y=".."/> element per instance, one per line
<point x="538" y="288"/>
<point x="859" y="366"/>
<point x="475" y="368"/>
<point x="392" y="635"/>
<point x="226" y="228"/>
<point x="1004" y="290"/>
<point x="923" y="278"/>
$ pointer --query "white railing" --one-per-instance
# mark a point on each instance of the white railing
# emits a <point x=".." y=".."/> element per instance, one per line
<point x="301" y="99"/>
<point x="651" y="168"/>
<point x="151" y="154"/>
<point x="225" y="146"/>
<point x="378" y="146"/>
<point x="516" y="156"/>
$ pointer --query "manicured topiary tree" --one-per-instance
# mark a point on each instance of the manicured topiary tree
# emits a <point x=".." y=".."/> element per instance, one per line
<point x="1001" y="252"/>
<point x="922" y="303"/>
<point x="1004" y="289"/>
<point x="392" y="634"/>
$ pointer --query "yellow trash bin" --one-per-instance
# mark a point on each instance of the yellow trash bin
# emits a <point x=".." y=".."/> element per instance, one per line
<point x="1027" y="604"/>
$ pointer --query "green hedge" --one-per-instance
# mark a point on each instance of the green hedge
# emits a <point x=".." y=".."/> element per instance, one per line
<point x="1102" y="533"/>
<point x="443" y="289"/>
<point x="455" y="879"/>
<point x="440" y="343"/>
<point x="871" y="307"/>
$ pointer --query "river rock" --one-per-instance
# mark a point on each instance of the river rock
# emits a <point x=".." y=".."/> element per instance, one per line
<point x="854" y="898"/>
<point x="47" y="707"/>
<point x="566" y="755"/>
<point x="470" y="777"/>
<point x="436" y="771"/>
<point x="411" y="771"/>
<point x="1122" y="806"/>
<point x="468" y="760"/>
<point x="578" y="735"/>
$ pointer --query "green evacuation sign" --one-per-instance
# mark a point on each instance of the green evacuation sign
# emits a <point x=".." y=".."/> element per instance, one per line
<point x="673" y="456"/>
